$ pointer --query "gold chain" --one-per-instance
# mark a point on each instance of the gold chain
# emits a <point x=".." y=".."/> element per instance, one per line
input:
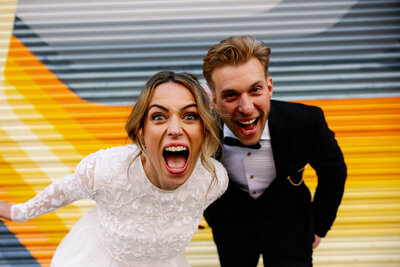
<point x="299" y="183"/>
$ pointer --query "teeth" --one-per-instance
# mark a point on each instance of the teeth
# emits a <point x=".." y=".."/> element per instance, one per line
<point x="175" y="148"/>
<point x="176" y="170"/>
<point x="248" y="122"/>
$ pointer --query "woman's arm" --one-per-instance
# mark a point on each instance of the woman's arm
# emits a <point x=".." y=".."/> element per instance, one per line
<point x="58" y="194"/>
<point x="5" y="210"/>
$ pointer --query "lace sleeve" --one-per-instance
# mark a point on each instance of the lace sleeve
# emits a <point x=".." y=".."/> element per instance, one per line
<point x="220" y="186"/>
<point x="60" y="193"/>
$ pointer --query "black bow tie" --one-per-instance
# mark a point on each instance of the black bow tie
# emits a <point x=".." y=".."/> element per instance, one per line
<point x="236" y="142"/>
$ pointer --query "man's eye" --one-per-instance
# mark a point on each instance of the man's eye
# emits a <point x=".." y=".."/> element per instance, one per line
<point x="158" y="117"/>
<point x="256" y="89"/>
<point x="191" y="116"/>
<point x="229" y="96"/>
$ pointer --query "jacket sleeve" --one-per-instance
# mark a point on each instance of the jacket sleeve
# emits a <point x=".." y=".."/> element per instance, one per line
<point x="331" y="170"/>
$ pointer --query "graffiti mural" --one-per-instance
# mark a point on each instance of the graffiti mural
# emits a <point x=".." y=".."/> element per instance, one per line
<point x="71" y="71"/>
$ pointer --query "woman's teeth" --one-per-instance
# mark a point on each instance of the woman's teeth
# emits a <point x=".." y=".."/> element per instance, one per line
<point x="177" y="169"/>
<point x="175" y="148"/>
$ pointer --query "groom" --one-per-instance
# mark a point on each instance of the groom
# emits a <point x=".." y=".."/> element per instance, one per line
<point x="267" y="208"/>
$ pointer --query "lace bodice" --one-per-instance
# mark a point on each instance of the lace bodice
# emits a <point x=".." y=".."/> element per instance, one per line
<point x="136" y="221"/>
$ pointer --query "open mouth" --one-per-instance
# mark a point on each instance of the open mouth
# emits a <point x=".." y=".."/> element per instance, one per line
<point x="248" y="127"/>
<point x="176" y="158"/>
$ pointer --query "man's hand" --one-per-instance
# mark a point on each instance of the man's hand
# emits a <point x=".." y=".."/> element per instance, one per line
<point x="316" y="241"/>
<point x="5" y="210"/>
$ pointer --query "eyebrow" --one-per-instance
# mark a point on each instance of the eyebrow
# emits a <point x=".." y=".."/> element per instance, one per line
<point x="251" y="86"/>
<point x="255" y="83"/>
<point x="164" y="108"/>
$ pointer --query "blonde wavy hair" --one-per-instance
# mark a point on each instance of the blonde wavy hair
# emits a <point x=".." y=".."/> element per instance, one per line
<point x="234" y="51"/>
<point x="211" y="127"/>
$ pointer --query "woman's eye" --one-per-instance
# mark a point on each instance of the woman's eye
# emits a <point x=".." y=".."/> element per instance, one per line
<point x="191" y="116"/>
<point x="158" y="117"/>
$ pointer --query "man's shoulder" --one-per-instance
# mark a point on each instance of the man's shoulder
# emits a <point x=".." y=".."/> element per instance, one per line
<point x="293" y="105"/>
<point x="294" y="110"/>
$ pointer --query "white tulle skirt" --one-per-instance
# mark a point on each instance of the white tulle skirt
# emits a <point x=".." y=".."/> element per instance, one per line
<point x="82" y="247"/>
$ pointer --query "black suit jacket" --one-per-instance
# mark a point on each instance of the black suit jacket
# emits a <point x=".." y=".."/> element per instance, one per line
<point x="299" y="136"/>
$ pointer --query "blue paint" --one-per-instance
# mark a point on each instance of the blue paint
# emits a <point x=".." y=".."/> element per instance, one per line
<point x="12" y="252"/>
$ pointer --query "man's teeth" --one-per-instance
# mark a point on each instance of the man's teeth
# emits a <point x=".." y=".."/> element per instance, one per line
<point x="248" y="122"/>
<point x="175" y="148"/>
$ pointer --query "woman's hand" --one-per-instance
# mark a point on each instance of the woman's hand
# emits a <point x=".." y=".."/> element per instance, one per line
<point x="5" y="210"/>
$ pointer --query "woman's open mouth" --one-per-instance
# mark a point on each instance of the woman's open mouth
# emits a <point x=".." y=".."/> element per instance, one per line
<point x="176" y="158"/>
<point x="248" y="127"/>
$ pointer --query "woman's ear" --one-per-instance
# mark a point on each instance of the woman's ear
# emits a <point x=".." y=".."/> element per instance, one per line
<point x="141" y="139"/>
<point x="141" y="135"/>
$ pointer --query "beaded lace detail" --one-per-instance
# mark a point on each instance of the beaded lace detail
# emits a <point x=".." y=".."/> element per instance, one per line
<point x="136" y="221"/>
<point x="60" y="193"/>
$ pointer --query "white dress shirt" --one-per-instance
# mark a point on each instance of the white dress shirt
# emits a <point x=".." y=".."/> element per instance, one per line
<point x="252" y="169"/>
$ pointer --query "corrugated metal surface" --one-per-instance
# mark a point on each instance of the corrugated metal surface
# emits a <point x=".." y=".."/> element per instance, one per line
<point x="67" y="59"/>
<point x="104" y="51"/>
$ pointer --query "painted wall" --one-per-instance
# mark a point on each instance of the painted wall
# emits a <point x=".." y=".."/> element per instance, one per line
<point x="70" y="72"/>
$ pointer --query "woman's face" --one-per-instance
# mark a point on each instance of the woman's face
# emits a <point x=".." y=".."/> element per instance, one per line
<point x="172" y="133"/>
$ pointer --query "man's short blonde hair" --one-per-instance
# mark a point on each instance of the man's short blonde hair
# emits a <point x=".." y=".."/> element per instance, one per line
<point x="234" y="51"/>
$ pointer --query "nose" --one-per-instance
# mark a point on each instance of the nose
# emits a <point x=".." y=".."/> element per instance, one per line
<point x="245" y="105"/>
<point x="174" y="128"/>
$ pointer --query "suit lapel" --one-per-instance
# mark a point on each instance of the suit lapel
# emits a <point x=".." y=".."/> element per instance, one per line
<point x="280" y="140"/>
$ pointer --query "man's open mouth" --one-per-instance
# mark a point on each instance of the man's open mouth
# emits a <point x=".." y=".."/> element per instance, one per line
<point x="176" y="158"/>
<point x="248" y="127"/>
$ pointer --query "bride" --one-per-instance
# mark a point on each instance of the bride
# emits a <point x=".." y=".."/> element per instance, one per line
<point x="149" y="196"/>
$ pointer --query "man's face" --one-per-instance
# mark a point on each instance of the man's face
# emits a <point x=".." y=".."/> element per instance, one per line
<point x="242" y="97"/>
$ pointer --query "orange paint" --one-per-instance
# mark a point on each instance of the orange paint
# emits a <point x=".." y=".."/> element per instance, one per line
<point x="49" y="95"/>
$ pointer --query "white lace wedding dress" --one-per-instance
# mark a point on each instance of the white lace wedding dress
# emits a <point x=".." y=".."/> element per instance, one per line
<point x="134" y="222"/>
